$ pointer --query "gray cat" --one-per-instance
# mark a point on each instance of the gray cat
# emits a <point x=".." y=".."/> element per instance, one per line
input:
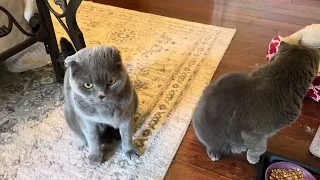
<point x="98" y="94"/>
<point x="240" y="112"/>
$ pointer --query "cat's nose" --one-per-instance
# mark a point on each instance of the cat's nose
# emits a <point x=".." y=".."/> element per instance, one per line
<point x="102" y="96"/>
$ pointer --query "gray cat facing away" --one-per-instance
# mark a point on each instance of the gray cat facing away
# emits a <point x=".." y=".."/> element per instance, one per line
<point x="240" y="112"/>
<point x="98" y="94"/>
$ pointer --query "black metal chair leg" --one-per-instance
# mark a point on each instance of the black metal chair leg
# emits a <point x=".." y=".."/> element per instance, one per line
<point x="75" y="32"/>
<point x="44" y="32"/>
<point x="50" y="41"/>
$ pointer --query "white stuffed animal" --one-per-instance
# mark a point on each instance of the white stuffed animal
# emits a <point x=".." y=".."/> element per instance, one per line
<point x="308" y="36"/>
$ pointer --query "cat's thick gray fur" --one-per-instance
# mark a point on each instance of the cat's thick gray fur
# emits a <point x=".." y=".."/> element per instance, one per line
<point x="240" y="112"/>
<point x="89" y="112"/>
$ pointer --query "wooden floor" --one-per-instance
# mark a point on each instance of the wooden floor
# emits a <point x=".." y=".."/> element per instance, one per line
<point x="257" y="22"/>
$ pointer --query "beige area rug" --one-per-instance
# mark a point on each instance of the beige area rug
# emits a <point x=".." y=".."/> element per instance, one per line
<point x="170" y="63"/>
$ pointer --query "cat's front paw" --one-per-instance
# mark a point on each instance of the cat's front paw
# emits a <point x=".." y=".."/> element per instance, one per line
<point x="134" y="153"/>
<point x="95" y="159"/>
<point x="214" y="156"/>
<point x="253" y="159"/>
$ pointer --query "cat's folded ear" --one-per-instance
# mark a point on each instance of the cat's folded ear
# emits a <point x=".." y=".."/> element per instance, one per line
<point x="66" y="48"/>
<point x="70" y="63"/>
<point x="116" y="55"/>
<point x="284" y="45"/>
<point x="318" y="50"/>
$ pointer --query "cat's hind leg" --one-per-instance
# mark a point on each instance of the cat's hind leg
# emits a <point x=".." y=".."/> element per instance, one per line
<point x="253" y="154"/>
<point x="212" y="143"/>
<point x="213" y="154"/>
<point x="218" y="149"/>
<point x="256" y="144"/>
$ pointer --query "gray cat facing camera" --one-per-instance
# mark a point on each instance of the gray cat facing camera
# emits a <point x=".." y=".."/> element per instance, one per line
<point x="98" y="95"/>
<point x="240" y="112"/>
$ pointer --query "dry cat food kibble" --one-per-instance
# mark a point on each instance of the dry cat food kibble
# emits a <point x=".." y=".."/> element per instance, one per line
<point x="286" y="174"/>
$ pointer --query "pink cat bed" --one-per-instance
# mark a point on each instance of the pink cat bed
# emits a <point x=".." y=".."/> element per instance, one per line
<point x="308" y="36"/>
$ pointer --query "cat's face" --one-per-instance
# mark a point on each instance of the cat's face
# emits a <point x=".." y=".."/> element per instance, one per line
<point x="97" y="74"/>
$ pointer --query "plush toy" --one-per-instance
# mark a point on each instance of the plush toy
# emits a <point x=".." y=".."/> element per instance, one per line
<point x="309" y="37"/>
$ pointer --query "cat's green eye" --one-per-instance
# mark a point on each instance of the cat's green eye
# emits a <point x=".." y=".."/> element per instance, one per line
<point x="88" y="85"/>
<point x="111" y="82"/>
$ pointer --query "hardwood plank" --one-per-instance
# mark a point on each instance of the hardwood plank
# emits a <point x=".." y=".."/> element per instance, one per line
<point x="180" y="171"/>
<point x="262" y="39"/>
<point x="244" y="26"/>
<point x="247" y="48"/>
<point x="307" y="2"/>
<point x="268" y="1"/>
<point x="240" y="58"/>
<point x="240" y="10"/>
<point x="240" y="62"/>
<point x="225" y="69"/>
<point x="296" y="13"/>
<point x="311" y="109"/>
<point x="292" y="148"/>
<point x="231" y="167"/>
<point x="284" y="33"/>
<point x="257" y="21"/>
<point x="267" y="5"/>
<point x="244" y="4"/>
<point x="290" y="19"/>
<point x="303" y="129"/>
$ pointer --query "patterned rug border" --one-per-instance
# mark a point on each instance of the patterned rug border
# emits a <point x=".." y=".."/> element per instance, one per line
<point x="194" y="102"/>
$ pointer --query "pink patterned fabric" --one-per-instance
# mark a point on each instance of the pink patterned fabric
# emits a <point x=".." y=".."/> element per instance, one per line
<point x="314" y="89"/>
<point x="273" y="48"/>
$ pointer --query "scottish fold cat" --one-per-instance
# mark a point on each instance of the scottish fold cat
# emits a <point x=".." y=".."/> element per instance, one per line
<point x="98" y="95"/>
<point x="240" y="112"/>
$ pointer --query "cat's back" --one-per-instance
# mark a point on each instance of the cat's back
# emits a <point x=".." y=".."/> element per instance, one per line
<point x="217" y="105"/>
<point x="222" y="96"/>
<point x="229" y="86"/>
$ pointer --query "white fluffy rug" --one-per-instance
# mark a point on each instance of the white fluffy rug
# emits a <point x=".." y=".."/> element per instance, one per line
<point x="170" y="63"/>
